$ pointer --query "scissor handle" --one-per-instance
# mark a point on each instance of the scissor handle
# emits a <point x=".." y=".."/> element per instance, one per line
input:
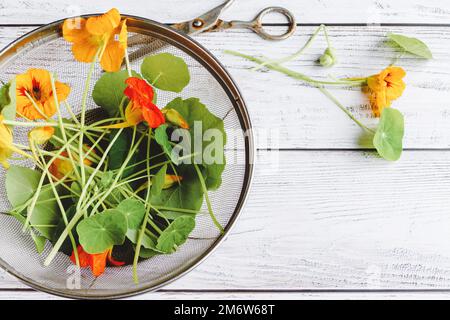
<point x="257" y="24"/>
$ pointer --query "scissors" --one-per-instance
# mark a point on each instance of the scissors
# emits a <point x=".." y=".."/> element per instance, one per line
<point x="210" y="21"/>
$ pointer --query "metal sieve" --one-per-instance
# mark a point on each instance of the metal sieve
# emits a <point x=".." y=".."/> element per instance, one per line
<point x="45" y="48"/>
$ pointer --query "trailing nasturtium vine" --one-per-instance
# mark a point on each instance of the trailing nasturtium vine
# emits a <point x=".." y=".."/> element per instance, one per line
<point x="382" y="88"/>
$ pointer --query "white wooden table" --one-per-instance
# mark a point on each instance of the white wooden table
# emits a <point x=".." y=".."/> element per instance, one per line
<point x="343" y="223"/>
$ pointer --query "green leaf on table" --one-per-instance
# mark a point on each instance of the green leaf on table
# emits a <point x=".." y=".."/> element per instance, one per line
<point x="21" y="184"/>
<point x="175" y="234"/>
<point x="166" y="72"/>
<point x="8" y="100"/>
<point x="388" y="139"/>
<point x="102" y="231"/>
<point x="411" y="45"/>
<point x="108" y="91"/>
<point x="158" y="181"/>
<point x="212" y="156"/>
<point x="134" y="210"/>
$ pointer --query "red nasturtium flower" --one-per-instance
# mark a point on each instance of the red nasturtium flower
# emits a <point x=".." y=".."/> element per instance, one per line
<point x="97" y="262"/>
<point x="141" y="106"/>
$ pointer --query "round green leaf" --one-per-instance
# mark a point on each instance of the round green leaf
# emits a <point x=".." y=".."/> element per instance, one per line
<point x="102" y="231"/>
<point x="388" y="139"/>
<point x="108" y="91"/>
<point x="192" y="110"/>
<point x="21" y="184"/>
<point x="134" y="210"/>
<point x="411" y="45"/>
<point x="176" y="234"/>
<point x="166" y="72"/>
<point x="158" y="181"/>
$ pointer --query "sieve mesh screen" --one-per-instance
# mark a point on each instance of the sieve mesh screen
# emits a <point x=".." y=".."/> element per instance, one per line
<point x="49" y="51"/>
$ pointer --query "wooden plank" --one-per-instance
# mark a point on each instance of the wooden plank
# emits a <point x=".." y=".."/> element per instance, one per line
<point x="265" y="296"/>
<point x="327" y="11"/>
<point x="301" y="117"/>
<point x="337" y="220"/>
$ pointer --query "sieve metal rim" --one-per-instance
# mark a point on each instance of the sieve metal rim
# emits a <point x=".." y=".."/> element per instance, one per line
<point x="216" y="69"/>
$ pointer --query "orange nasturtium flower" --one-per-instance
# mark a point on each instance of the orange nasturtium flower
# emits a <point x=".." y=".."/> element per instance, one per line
<point x="60" y="168"/>
<point x="97" y="262"/>
<point x="104" y="35"/>
<point x="41" y="135"/>
<point x="6" y="143"/>
<point x="385" y="87"/>
<point x="34" y="90"/>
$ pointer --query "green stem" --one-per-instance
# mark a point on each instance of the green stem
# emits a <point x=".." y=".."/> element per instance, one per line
<point x="348" y="113"/>
<point x="297" y="75"/>
<point x="120" y="173"/>
<point x="292" y="56"/>
<point x="78" y="213"/>
<point x="83" y="118"/>
<point x="146" y="218"/>
<point x="63" y="211"/>
<point x="208" y="202"/>
<point x="315" y="83"/>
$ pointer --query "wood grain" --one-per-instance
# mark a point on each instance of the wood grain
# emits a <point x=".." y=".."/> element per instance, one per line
<point x="301" y="117"/>
<point x="314" y="11"/>
<point x="338" y="220"/>
<point x="270" y="297"/>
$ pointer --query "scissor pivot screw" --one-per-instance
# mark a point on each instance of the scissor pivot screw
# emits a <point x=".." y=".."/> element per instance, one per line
<point x="197" y="23"/>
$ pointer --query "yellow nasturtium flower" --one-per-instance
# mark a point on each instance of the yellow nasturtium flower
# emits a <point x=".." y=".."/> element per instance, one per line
<point x="105" y="34"/>
<point x="34" y="90"/>
<point x="41" y="135"/>
<point x="6" y="143"/>
<point x="385" y="87"/>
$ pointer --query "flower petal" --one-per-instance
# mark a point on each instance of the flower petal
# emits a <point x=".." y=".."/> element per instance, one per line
<point x="85" y="49"/>
<point x="83" y="257"/>
<point x="62" y="91"/>
<point x="41" y="135"/>
<point x="6" y="140"/>
<point x="133" y="114"/>
<point x="113" y="56"/>
<point x="114" y="262"/>
<point x="74" y="30"/>
<point x="103" y="24"/>
<point x="98" y="263"/>
<point x="153" y="116"/>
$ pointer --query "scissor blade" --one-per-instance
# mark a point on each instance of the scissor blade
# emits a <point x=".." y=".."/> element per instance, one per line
<point x="205" y="21"/>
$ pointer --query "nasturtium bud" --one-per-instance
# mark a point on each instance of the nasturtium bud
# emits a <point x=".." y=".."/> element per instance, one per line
<point x="174" y="117"/>
<point x="328" y="59"/>
<point x="170" y="180"/>
<point x="41" y="135"/>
